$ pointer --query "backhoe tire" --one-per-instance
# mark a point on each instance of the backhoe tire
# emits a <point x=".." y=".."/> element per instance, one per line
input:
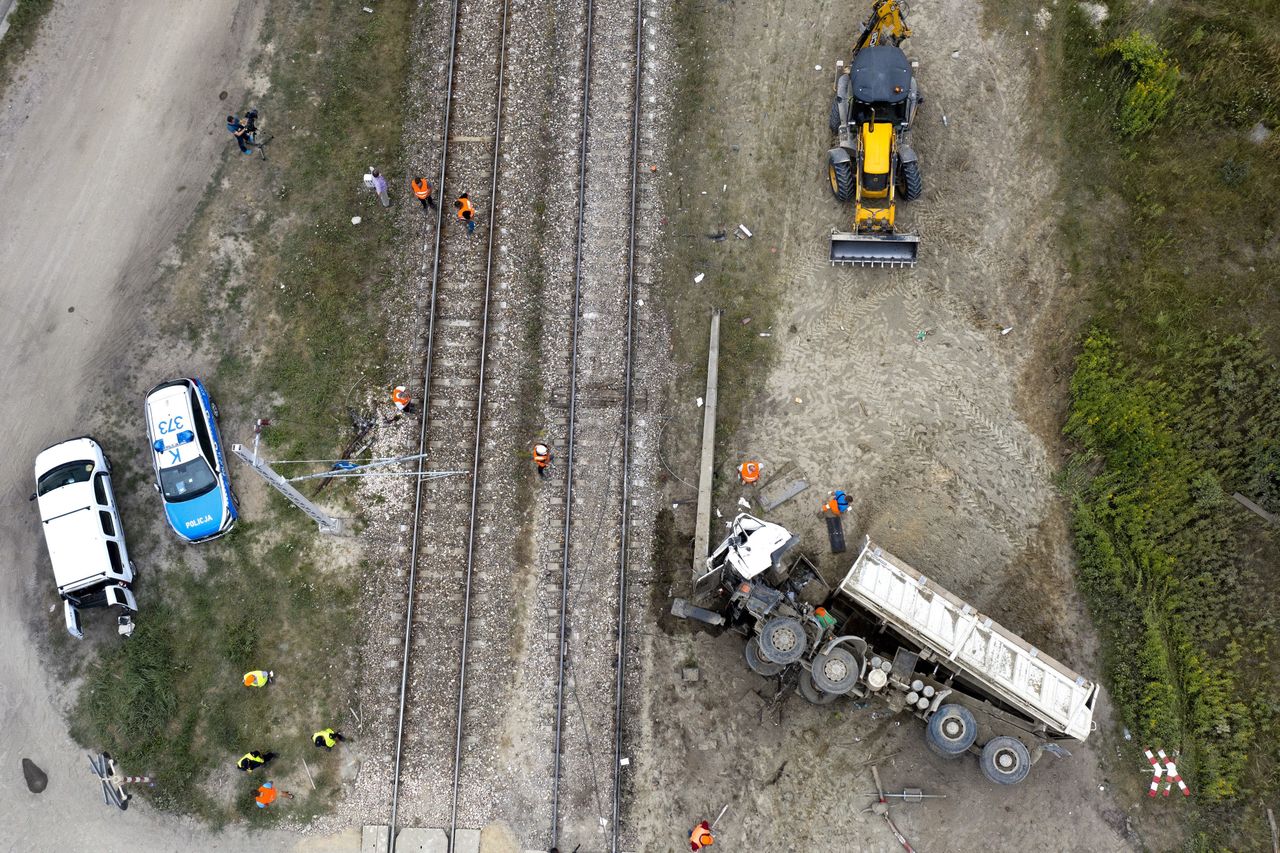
<point x="835" y="114"/>
<point x="840" y="173"/>
<point x="912" y="183"/>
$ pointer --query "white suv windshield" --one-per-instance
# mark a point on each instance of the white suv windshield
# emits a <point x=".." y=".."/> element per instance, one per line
<point x="186" y="481"/>
<point x="65" y="475"/>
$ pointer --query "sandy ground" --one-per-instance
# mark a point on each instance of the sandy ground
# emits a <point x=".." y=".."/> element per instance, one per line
<point x="900" y="388"/>
<point x="108" y="139"/>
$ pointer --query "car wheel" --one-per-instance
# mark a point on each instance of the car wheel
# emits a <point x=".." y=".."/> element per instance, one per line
<point x="213" y="407"/>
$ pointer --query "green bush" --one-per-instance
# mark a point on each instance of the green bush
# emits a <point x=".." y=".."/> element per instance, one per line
<point x="1152" y="85"/>
<point x="1157" y="544"/>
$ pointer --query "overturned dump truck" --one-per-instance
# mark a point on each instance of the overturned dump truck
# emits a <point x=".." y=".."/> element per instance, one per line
<point x="886" y="631"/>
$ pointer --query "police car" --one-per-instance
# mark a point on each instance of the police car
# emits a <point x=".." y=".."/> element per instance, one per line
<point x="191" y="472"/>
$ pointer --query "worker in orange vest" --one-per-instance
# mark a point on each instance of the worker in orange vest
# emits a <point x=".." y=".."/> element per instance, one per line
<point x="466" y="213"/>
<point x="267" y="793"/>
<point x="701" y="837"/>
<point x="836" y="504"/>
<point x="422" y="190"/>
<point x="400" y="396"/>
<point x="541" y="458"/>
<point x="749" y="472"/>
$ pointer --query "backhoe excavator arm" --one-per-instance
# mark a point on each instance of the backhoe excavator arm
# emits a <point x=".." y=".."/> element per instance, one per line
<point x="886" y="26"/>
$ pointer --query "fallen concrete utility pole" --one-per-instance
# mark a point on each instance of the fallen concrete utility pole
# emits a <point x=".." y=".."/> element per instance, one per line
<point x="706" y="469"/>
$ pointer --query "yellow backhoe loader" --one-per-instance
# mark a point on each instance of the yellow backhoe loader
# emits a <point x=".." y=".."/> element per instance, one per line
<point x="873" y="162"/>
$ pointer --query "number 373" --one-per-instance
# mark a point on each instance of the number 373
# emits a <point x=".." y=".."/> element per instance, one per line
<point x="169" y="425"/>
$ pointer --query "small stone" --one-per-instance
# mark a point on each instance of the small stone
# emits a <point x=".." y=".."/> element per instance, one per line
<point x="37" y="781"/>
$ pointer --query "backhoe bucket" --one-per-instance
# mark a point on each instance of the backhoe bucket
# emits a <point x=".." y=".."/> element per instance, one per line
<point x="874" y="250"/>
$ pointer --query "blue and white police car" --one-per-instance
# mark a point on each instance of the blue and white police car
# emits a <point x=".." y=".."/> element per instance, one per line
<point x="191" y="472"/>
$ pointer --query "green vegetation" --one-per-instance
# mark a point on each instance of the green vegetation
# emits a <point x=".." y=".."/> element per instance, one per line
<point x="170" y="702"/>
<point x="1151" y="91"/>
<point x="298" y="332"/>
<point x="1172" y="229"/>
<point x="24" y="23"/>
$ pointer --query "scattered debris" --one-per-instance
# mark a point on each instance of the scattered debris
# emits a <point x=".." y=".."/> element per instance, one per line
<point x="689" y="673"/>
<point x="920" y="335"/>
<point x="717" y="236"/>
<point x="355" y="220"/>
<point x="955" y="54"/>
<point x="766" y="334"/>
<point x="699" y="402"/>
<point x="744" y="503"/>
<point x="1006" y="330"/>
<point x="744" y="230"/>
<point x="817" y="68"/>
<point x="911" y="795"/>
<point x="697" y="279"/>
<point x="746" y="320"/>
<point x="944" y="120"/>
<point x="1042" y="18"/>
<point x="798" y="400"/>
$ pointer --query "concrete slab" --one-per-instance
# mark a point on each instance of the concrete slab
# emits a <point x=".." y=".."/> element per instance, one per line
<point x="414" y="839"/>
<point x="375" y="839"/>
<point x="466" y="841"/>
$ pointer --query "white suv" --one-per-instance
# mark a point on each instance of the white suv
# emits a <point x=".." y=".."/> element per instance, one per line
<point x="81" y="522"/>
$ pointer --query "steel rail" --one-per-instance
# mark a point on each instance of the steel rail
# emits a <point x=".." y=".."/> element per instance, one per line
<point x="626" y="441"/>
<point x="426" y="409"/>
<point x="573" y="406"/>
<point x="475" y="460"/>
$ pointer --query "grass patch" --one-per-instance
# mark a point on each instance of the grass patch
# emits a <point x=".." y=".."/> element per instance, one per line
<point x="740" y="275"/>
<point x="170" y="703"/>
<point x="24" y="25"/>
<point x="290" y="295"/>
<point x="1172" y="219"/>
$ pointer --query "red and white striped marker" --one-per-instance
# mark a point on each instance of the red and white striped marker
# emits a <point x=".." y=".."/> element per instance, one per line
<point x="1172" y="770"/>
<point x="1161" y="765"/>
<point x="1157" y="770"/>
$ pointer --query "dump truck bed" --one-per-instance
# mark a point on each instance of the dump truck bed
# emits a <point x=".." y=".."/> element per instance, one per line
<point x="1011" y="669"/>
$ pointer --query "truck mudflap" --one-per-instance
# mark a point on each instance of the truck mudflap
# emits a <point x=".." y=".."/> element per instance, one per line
<point x="874" y="250"/>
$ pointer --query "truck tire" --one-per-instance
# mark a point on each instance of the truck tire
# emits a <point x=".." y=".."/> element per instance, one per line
<point x="952" y="730"/>
<point x="1005" y="760"/>
<point x="840" y="173"/>
<point x="835" y="114"/>
<point x="812" y="694"/>
<point x="836" y="672"/>
<point x="783" y="640"/>
<point x="912" y="182"/>
<point x="757" y="663"/>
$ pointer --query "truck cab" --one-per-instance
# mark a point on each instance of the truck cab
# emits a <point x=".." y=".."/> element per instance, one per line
<point x="82" y="529"/>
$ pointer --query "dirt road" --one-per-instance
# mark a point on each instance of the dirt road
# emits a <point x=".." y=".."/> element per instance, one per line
<point x="109" y="138"/>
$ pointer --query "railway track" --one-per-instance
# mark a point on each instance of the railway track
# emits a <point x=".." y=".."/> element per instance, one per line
<point x="535" y="662"/>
